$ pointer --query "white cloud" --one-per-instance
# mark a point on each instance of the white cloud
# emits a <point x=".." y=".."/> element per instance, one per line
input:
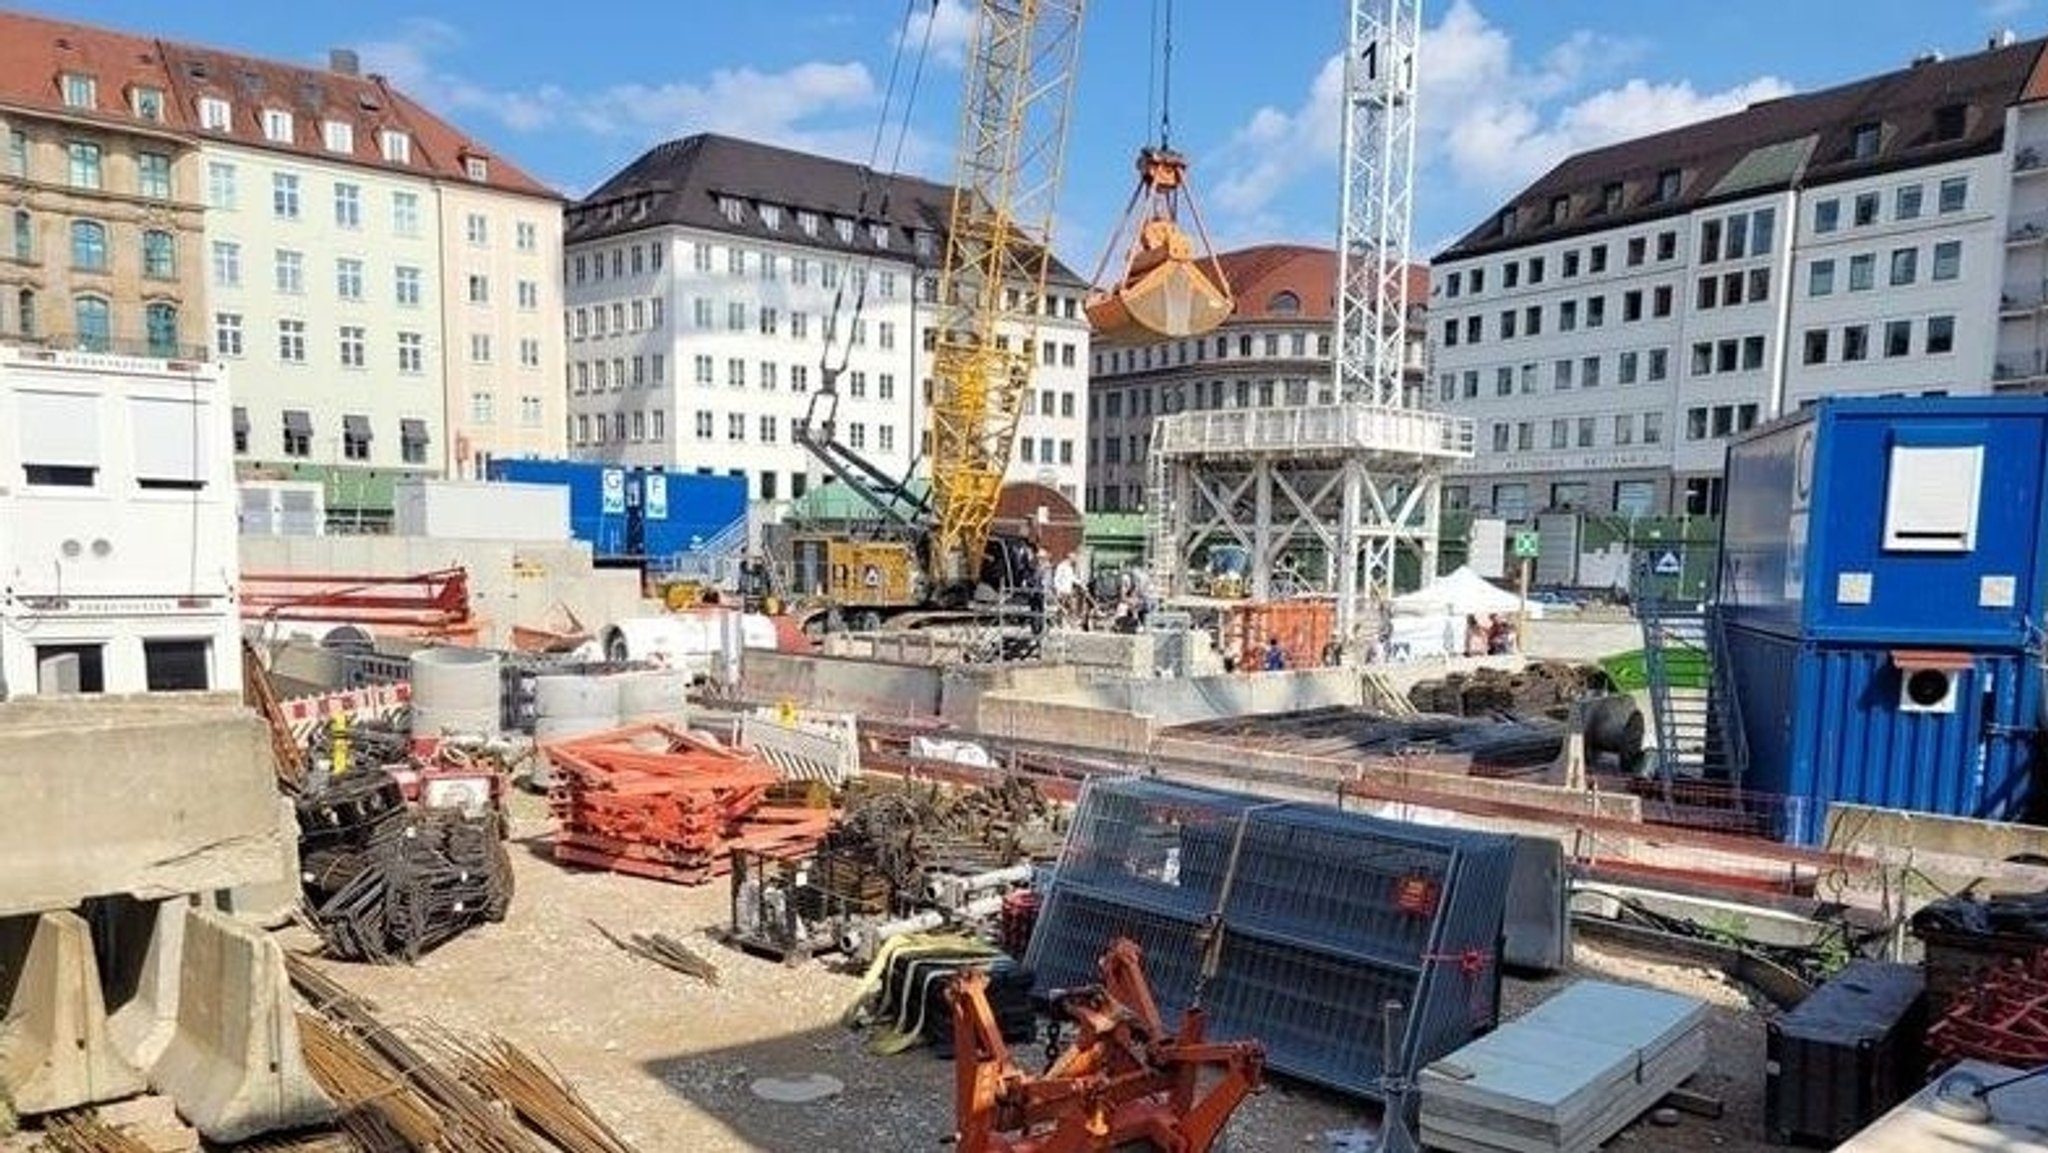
<point x="1494" y="116"/>
<point x="819" y="106"/>
<point x="950" y="26"/>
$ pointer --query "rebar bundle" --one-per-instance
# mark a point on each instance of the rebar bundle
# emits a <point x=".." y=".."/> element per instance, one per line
<point x="84" y="1132"/>
<point x="485" y="1096"/>
<point x="385" y="882"/>
<point x="665" y="951"/>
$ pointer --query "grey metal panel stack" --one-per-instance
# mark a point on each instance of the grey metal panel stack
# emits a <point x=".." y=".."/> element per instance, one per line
<point x="1325" y="916"/>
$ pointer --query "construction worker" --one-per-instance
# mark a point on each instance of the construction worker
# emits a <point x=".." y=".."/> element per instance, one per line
<point x="1276" y="657"/>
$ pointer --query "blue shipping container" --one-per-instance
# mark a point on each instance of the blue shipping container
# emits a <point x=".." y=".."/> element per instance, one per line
<point x="1826" y="723"/>
<point x="597" y="498"/>
<point x="1932" y="529"/>
<point x="679" y="511"/>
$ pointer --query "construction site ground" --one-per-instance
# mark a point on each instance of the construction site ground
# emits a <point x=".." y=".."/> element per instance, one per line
<point x="670" y="1061"/>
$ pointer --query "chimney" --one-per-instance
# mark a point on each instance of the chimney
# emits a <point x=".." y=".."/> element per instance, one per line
<point x="2003" y="38"/>
<point x="344" y="61"/>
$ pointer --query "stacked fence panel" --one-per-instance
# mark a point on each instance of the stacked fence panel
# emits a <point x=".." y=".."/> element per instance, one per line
<point x="1325" y="916"/>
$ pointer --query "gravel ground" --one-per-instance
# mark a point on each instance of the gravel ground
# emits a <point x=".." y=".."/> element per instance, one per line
<point x="669" y="1061"/>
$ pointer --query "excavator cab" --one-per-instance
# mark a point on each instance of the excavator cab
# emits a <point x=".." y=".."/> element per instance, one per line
<point x="1167" y="287"/>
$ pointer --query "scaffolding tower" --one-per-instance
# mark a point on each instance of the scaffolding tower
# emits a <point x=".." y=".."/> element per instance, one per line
<point x="1352" y="484"/>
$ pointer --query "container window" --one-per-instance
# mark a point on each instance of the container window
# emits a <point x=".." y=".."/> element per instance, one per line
<point x="1931" y="498"/>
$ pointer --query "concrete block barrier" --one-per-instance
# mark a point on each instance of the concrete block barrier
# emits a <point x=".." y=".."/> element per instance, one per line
<point x="144" y="947"/>
<point x="55" y="1048"/>
<point x="233" y="1064"/>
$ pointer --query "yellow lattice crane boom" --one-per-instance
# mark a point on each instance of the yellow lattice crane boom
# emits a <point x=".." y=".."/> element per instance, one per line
<point x="1013" y="131"/>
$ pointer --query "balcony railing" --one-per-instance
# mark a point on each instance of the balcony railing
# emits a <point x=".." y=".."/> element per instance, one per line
<point x="110" y="346"/>
<point x="1315" y="430"/>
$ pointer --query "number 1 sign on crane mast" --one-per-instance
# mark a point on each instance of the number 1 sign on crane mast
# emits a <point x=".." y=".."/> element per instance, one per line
<point x="1377" y="200"/>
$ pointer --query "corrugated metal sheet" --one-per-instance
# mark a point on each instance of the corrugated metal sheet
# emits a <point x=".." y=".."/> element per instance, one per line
<point x="1825" y="724"/>
<point x="1324" y="917"/>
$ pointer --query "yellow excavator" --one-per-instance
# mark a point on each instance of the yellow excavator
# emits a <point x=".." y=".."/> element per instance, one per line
<point x="933" y="556"/>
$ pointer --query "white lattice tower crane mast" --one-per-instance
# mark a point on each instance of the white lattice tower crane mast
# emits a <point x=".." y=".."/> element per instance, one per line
<point x="1377" y="200"/>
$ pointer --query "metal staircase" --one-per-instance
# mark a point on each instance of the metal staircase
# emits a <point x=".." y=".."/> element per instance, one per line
<point x="1692" y="696"/>
<point x="714" y="561"/>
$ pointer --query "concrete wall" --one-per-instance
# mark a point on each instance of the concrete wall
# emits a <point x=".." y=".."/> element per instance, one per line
<point x="869" y="688"/>
<point x="154" y="797"/>
<point x="1125" y="714"/>
<point x="509" y="583"/>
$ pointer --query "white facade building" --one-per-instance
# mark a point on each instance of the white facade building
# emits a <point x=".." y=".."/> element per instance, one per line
<point x="117" y="523"/>
<point x="711" y="286"/>
<point x="1611" y="328"/>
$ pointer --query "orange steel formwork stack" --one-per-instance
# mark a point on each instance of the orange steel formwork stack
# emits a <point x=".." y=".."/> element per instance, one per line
<point x="1304" y="628"/>
<point x="657" y="801"/>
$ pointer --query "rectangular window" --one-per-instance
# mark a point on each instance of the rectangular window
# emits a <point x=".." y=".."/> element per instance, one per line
<point x="215" y="114"/>
<point x="412" y="353"/>
<point x="1561" y="374"/>
<point x="1866" y="205"/>
<point x="352" y="347"/>
<point x="1702" y="357"/>
<point x="153" y="175"/>
<point x="1696" y="423"/>
<point x="1856" y="342"/>
<point x="1661" y="300"/>
<point x="1626" y="368"/>
<point x="529" y="352"/>
<point x="479" y="288"/>
<point x="1816" y="346"/>
<point x="1941" y="334"/>
<point x="277" y="126"/>
<point x="480" y="348"/>
<point x="1560" y="433"/>
<point x="227" y="264"/>
<point x="1710" y="241"/>
<point x="348" y="279"/>
<point x="1653" y="428"/>
<point x="1759" y="285"/>
<point x="1906" y="202"/>
<point x="1625" y="429"/>
<point x="348" y="206"/>
<point x="1862" y="272"/>
<point x="1763" y="227"/>
<point x="736" y="372"/>
<point x="85" y="165"/>
<point x="529" y="296"/>
<point x="396" y="146"/>
<point x="1638" y="249"/>
<point x="284" y="196"/>
<point x="1820" y="278"/>
<point x="227" y="333"/>
<point x="405" y="213"/>
<point x="291" y="341"/>
<point x="1586" y="427"/>
<point x="1631" y="306"/>
<point x="220" y="186"/>
<point x="339" y="136"/>
<point x="1955" y="194"/>
<point x="1660" y="364"/>
<point x="80" y="91"/>
<point x="477" y="227"/>
<point x="1589" y="372"/>
<point x="1898" y="338"/>
<point x="1596" y="311"/>
<point x="407" y="285"/>
<point x="1948" y="260"/>
<point x="736" y="316"/>
<point x="1827" y="215"/>
<point x="1752" y="353"/>
<point x="1707" y="293"/>
<point x="1905" y="266"/>
<point x="291" y="271"/>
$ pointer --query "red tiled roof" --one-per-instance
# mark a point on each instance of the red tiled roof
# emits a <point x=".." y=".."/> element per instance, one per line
<point x="1258" y="275"/>
<point x="35" y="52"/>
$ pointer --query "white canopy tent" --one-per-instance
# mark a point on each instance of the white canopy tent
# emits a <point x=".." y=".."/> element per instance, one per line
<point x="1460" y="594"/>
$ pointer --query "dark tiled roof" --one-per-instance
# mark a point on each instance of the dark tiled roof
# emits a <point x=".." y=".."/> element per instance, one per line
<point x="1933" y="111"/>
<point x="680" y="182"/>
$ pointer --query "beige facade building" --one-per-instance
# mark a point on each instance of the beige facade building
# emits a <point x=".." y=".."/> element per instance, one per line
<point x="100" y="214"/>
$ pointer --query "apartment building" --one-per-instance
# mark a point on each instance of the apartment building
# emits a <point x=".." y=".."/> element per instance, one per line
<point x="1274" y="350"/>
<point x="1616" y="322"/>
<point x="384" y="290"/>
<point x="100" y="246"/>
<point x="712" y="285"/>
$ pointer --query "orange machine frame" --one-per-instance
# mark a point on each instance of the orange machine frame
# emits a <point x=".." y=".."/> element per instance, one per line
<point x="1124" y="1078"/>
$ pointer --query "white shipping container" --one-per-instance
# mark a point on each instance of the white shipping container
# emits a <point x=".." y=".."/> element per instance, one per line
<point x="283" y="508"/>
<point x="481" y="510"/>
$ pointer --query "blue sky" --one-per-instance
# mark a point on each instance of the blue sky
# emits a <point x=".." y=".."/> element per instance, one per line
<point x="1509" y="86"/>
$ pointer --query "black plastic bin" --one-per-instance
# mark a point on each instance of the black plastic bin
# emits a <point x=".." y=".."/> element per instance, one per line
<point x="1848" y="1053"/>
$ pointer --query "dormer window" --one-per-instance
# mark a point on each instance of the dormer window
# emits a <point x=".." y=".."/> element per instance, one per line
<point x="1610" y="197"/>
<point x="808" y="221"/>
<point x="80" y="90"/>
<point x="1863" y="146"/>
<point x="476" y="168"/>
<point x="1507" y="223"/>
<point x="396" y="146"/>
<point x="1560" y="207"/>
<point x="731" y="208"/>
<point x="771" y="217"/>
<point x="844" y="228"/>
<point x="1950" y="120"/>
<point x="277" y="125"/>
<point x="214" y="114"/>
<point x="339" y="135"/>
<point x="148" y="103"/>
<point x="924" y="243"/>
<point x="1284" y="304"/>
<point x="880" y="234"/>
<point x="1667" y="185"/>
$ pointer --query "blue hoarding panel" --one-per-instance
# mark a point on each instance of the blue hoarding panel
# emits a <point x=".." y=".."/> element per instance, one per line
<point x="1831" y="723"/>
<point x="597" y="508"/>
<point x="1902" y="521"/>
<point x="681" y="510"/>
